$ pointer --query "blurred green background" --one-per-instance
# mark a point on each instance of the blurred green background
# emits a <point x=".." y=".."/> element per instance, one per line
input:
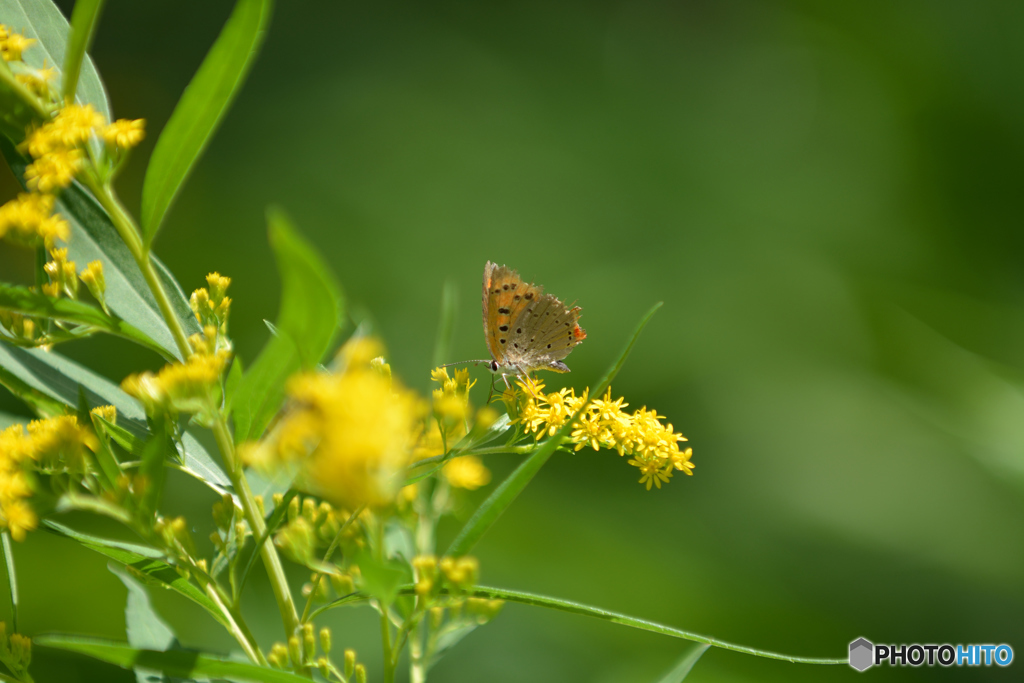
<point x="826" y="196"/>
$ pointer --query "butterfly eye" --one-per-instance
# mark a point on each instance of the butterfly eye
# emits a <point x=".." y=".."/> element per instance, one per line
<point x="493" y="366"/>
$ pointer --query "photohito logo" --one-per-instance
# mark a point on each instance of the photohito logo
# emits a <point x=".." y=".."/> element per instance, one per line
<point x="864" y="654"/>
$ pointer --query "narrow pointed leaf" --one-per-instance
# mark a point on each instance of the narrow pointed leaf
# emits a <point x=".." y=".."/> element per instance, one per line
<point x="682" y="669"/>
<point x="307" y="321"/>
<point x="182" y="663"/>
<point x="24" y="300"/>
<point x="84" y="19"/>
<point x="42" y="20"/>
<point x="200" y="110"/>
<point x="489" y="511"/>
<point x="94" y="237"/>
<point x="571" y="607"/>
<point x="10" y="577"/>
<point x="154" y="455"/>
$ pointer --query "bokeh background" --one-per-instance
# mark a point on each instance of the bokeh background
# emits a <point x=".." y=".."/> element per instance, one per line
<point x="826" y="196"/>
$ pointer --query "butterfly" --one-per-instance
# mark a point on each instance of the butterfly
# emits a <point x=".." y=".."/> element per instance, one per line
<point x="526" y="329"/>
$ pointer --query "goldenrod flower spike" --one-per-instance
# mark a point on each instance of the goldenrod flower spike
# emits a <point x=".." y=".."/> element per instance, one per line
<point x="604" y="424"/>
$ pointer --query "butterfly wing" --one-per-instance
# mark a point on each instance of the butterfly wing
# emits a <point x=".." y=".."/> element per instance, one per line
<point x="544" y="333"/>
<point x="505" y="296"/>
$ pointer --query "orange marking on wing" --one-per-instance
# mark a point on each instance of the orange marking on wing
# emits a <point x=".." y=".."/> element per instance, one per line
<point x="578" y="333"/>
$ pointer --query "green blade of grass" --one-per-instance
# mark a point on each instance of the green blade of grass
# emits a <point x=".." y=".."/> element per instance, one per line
<point x="84" y="19"/>
<point x="508" y="490"/>
<point x="200" y="110"/>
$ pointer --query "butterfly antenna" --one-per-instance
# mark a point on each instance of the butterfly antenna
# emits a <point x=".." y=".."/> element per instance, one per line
<point x="460" y="362"/>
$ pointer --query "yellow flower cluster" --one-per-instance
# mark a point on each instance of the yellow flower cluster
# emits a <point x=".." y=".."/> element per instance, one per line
<point x="54" y="441"/>
<point x="58" y="150"/>
<point x="186" y="387"/>
<point x="29" y="219"/>
<point x="350" y="433"/>
<point x="653" y="445"/>
<point x="211" y="306"/>
<point x="15" y="652"/>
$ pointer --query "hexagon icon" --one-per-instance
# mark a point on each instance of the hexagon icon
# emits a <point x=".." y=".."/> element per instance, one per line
<point x="862" y="654"/>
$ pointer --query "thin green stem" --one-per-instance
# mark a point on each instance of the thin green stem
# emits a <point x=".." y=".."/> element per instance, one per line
<point x="492" y="450"/>
<point x="385" y="627"/>
<point x="271" y="560"/>
<point x="129" y="232"/>
<point x="12" y="580"/>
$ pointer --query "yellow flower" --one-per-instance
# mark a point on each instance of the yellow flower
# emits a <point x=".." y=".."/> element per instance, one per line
<point x="125" y="133"/>
<point x="75" y="123"/>
<point x="53" y="171"/>
<point x="467" y="472"/>
<point x="186" y="387"/>
<point x="211" y="306"/>
<point x="350" y="433"/>
<point x="108" y="413"/>
<point x="92" y="276"/>
<point x="38" y="82"/>
<point x="28" y="219"/>
<point x="57" y="442"/>
<point x="13" y="44"/>
<point x="604" y="424"/>
<point x="62" y="273"/>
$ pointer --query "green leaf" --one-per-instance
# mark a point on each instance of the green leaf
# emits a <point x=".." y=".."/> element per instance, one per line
<point x="94" y="237"/>
<point x="381" y="579"/>
<point x="154" y="455"/>
<point x="84" y="19"/>
<point x="183" y="663"/>
<point x="144" y="563"/>
<point x="489" y="511"/>
<point x="24" y="300"/>
<point x="307" y="322"/>
<point x="19" y="108"/>
<point x="143" y="625"/>
<point x="681" y="670"/>
<point x="446" y="326"/>
<point x="10" y="577"/>
<point x="200" y="110"/>
<point x="50" y="382"/>
<point x="535" y="600"/>
<point x="231" y="383"/>
<point x="108" y="464"/>
<point x="42" y="20"/>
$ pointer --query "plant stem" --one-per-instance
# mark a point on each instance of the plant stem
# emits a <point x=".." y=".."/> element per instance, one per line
<point x="492" y="450"/>
<point x="271" y="560"/>
<point x="385" y="627"/>
<point x="129" y="232"/>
